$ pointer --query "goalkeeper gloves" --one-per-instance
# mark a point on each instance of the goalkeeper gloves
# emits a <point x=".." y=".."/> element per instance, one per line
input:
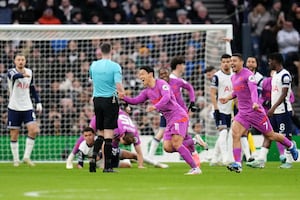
<point x="192" y="107"/>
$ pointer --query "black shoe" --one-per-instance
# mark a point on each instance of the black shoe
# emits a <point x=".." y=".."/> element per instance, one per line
<point x="109" y="170"/>
<point x="92" y="166"/>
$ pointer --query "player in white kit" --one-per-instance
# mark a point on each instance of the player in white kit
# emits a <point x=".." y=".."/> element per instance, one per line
<point x="20" y="108"/>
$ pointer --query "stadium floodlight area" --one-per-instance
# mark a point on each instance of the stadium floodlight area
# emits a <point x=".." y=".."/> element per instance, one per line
<point x="60" y="57"/>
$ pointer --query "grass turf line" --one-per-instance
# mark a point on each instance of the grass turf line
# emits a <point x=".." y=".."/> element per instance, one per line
<point x="53" y="181"/>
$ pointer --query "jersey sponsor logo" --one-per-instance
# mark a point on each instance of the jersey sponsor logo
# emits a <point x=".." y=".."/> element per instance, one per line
<point x="165" y="87"/>
<point x="135" y="140"/>
<point x="275" y="89"/>
<point x="239" y="87"/>
<point x="23" y="85"/>
<point x="251" y="79"/>
<point x="227" y="89"/>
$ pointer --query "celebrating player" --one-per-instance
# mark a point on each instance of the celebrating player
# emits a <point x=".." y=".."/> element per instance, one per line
<point x="250" y="112"/>
<point x="163" y="100"/>
<point x="176" y="85"/>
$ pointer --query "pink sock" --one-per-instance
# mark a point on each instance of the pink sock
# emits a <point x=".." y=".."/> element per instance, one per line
<point x="186" y="155"/>
<point x="237" y="154"/>
<point x="280" y="148"/>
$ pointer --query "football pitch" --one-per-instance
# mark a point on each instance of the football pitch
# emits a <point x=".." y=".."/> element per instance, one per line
<point x="53" y="181"/>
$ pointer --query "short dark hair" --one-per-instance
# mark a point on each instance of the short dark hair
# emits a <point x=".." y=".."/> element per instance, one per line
<point x="19" y="54"/>
<point x="128" y="138"/>
<point x="105" y="48"/>
<point x="276" y="56"/>
<point x="238" y="55"/>
<point x="88" y="129"/>
<point x="225" y="56"/>
<point x="147" y="69"/>
<point x="209" y="69"/>
<point x="177" y="61"/>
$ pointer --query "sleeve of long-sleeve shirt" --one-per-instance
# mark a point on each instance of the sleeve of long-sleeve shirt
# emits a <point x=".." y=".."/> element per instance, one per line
<point x="142" y="97"/>
<point x="80" y="158"/>
<point x="34" y="93"/>
<point x="190" y="89"/>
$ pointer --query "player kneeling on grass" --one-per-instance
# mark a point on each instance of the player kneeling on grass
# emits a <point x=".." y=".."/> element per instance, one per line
<point x="120" y="156"/>
<point x="125" y="125"/>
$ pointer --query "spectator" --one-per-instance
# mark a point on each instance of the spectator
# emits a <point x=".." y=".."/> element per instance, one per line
<point x="72" y="51"/>
<point x="257" y="19"/>
<point x="68" y="116"/>
<point x="42" y="5"/>
<point x="135" y="15"/>
<point x="24" y="13"/>
<point x="182" y="18"/>
<point x="147" y="8"/>
<point x="76" y="17"/>
<point x="48" y="17"/>
<point x="202" y="16"/>
<point x="159" y="17"/>
<point x="66" y="7"/>
<point x="95" y="19"/>
<point x="288" y="39"/>
<point x="170" y="9"/>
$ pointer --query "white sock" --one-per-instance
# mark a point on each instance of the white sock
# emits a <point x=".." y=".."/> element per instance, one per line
<point x="245" y="147"/>
<point x="28" y="147"/>
<point x="289" y="158"/>
<point x="230" y="157"/>
<point x="216" y="152"/>
<point x="71" y="156"/>
<point x="14" y="146"/>
<point x="153" y="147"/>
<point x="263" y="154"/>
<point x="223" y="144"/>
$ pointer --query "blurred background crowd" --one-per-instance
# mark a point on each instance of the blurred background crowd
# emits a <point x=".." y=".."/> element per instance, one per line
<point x="61" y="66"/>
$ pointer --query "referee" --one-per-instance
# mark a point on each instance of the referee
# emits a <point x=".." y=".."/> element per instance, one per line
<point x="107" y="82"/>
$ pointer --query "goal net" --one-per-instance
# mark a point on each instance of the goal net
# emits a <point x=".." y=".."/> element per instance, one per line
<point x="60" y="57"/>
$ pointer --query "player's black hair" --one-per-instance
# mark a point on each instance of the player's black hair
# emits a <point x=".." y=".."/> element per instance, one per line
<point x="238" y="55"/>
<point x="276" y="56"/>
<point x="147" y="69"/>
<point x="87" y="129"/>
<point x="225" y="56"/>
<point x="177" y="61"/>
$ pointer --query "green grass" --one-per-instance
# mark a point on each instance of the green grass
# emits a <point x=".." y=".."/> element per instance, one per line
<point x="53" y="181"/>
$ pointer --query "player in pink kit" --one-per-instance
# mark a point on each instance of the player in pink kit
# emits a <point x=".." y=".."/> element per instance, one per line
<point x="163" y="100"/>
<point x="127" y="134"/>
<point x="250" y="112"/>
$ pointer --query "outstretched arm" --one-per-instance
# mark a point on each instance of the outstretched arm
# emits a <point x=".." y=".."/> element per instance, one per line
<point x="142" y="97"/>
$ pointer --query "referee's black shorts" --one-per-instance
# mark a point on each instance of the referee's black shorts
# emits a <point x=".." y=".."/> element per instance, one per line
<point x="107" y="112"/>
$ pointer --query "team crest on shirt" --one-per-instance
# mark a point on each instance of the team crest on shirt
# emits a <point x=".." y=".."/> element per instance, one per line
<point x="165" y="87"/>
<point x="252" y="79"/>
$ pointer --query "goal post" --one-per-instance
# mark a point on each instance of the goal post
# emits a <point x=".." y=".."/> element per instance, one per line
<point x="60" y="56"/>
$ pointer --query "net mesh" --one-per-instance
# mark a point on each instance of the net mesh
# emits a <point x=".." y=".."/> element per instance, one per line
<point x="60" y="57"/>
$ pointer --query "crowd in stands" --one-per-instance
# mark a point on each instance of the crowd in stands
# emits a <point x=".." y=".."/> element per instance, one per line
<point x="61" y="67"/>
